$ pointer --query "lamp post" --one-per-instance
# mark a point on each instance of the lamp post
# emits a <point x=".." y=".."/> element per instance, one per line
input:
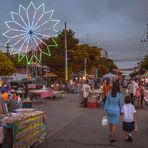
<point x="66" y="60"/>
<point x="8" y="47"/>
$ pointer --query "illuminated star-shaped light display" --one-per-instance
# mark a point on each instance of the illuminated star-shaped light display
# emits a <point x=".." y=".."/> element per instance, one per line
<point x="28" y="30"/>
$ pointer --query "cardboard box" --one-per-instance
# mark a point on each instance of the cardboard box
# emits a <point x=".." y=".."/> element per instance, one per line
<point x="92" y="99"/>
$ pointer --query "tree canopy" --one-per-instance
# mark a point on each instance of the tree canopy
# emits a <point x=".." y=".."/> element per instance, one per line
<point x="76" y="56"/>
<point x="6" y="66"/>
<point x="77" y="53"/>
<point x="144" y="63"/>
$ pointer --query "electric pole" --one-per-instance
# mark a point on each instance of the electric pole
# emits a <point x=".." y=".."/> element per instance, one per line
<point x="8" y="47"/>
<point x="66" y="60"/>
<point x="85" y="64"/>
<point x="146" y="40"/>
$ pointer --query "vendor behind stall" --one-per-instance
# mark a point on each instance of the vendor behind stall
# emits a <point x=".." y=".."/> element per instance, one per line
<point x="3" y="102"/>
<point x="5" y="86"/>
<point x="13" y="103"/>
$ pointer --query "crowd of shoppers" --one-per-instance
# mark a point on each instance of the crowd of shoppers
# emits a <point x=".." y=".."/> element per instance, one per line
<point x="137" y="91"/>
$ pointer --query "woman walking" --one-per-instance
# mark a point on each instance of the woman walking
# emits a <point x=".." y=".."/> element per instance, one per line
<point x="112" y="109"/>
<point x="142" y="93"/>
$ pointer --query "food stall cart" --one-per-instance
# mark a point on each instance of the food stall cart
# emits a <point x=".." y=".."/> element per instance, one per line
<point x="94" y="98"/>
<point x="42" y="93"/>
<point x="24" y="128"/>
<point x="58" y="93"/>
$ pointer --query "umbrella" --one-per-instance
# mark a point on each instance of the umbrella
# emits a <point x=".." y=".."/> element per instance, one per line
<point x="109" y="76"/>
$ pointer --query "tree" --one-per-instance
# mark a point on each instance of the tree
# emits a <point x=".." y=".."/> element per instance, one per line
<point x="14" y="60"/>
<point x="92" y="54"/>
<point x="94" y="59"/>
<point x="76" y="56"/>
<point x="108" y="63"/>
<point x="72" y="42"/>
<point x="102" y="70"/>
<point x="56" y="61"/>
<point x="6" y="66"/>
<point x="144" y="63"/>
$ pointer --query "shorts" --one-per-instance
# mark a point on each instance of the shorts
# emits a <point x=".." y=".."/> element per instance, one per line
<point x="128" y="126"/>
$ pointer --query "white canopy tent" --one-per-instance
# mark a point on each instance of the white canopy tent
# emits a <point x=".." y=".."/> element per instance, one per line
<point x="109" y="76"/>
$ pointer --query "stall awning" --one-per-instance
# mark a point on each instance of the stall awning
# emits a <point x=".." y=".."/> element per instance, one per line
<point x="50" y="75"/>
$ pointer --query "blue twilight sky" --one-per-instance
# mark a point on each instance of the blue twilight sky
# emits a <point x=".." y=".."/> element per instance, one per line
<point x="117" y="25"/>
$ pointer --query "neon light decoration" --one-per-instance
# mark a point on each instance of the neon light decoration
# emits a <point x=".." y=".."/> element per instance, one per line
<point x="28" y="30"/>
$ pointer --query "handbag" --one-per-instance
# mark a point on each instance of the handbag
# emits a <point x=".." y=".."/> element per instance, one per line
<point x="135" y="126"/>
<point x="104" y="121"/>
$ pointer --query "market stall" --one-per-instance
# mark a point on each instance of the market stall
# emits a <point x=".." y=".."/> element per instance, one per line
<point x="24" y="128"/>
<point x="27" y="103"/>
<point x="42" y="93"/>
<point x="58" y="93"/>
<point x="94" y="98"/>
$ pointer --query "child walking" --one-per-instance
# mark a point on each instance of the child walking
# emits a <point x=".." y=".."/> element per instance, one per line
<point x="128" y="111"/>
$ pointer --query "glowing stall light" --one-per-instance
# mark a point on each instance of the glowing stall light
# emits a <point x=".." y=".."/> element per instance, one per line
<point x="84" y="78"/>
<point x="28" y="30"/>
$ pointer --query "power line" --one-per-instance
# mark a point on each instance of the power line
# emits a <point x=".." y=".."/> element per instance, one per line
<point x="128" y="59"/>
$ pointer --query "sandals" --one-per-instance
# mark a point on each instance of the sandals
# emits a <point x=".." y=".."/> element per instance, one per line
<point x="112" y="140"/>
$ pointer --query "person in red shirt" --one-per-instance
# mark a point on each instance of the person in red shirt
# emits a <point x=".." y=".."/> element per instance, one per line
<point x="142" y="89"/>
<point x="106" y="88"/>
<point x="138" y="98"/>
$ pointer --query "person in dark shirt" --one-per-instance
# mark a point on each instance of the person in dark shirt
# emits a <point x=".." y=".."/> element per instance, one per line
<point x="13" y="103"/>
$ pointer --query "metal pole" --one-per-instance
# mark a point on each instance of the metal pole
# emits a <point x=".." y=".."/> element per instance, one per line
<point x="66" y="60"/>
<point x="46" y="78"/>
<point x="85" y="63"/>
<point x="8" y="47"/>
<point x="97" y="73"/>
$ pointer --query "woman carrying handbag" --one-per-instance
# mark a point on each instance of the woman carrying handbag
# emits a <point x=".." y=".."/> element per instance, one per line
<point x="112" y="109"/>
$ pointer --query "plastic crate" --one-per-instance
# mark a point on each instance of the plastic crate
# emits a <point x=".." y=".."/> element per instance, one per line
<point x="92" y="104"/>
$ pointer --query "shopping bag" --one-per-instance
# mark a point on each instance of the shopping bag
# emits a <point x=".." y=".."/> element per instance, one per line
<point x="135" y="126"/>
<point x="127" y="91"/>
<point x="104" y="121"/>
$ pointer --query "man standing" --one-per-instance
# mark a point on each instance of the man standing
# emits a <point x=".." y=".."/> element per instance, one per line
<point x="130" y="87"/>
<point x="85" y="92"/>
<point x="135" y="86"/>
<point x="6" y="86"/>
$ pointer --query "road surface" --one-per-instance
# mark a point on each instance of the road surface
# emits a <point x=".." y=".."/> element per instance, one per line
<point x="70" y="126"/>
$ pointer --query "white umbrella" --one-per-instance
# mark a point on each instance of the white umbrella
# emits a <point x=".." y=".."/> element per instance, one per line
<point x="109" y="76"/>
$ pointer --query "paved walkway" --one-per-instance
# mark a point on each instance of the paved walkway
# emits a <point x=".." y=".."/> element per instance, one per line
<point x="70" y="126"/>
